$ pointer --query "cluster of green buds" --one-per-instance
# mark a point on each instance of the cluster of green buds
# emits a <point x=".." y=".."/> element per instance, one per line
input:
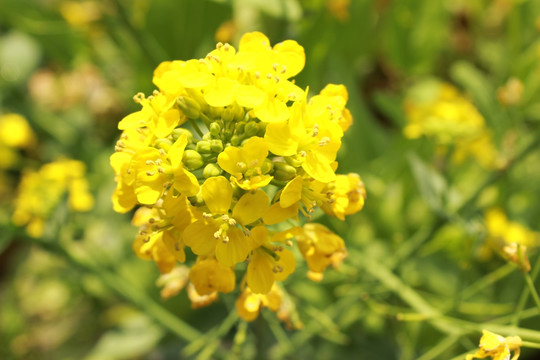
<point x="225" y="162"/>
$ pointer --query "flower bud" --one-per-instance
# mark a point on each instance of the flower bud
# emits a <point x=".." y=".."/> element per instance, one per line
<point x="189" y="107"/>
<point x="236" y="140"/>
<point x="180" y="131"/>
<point x="211" y="170"/>
<point x="239" y="128"/>
<point x="283" y="172"/>
<point x="251" y="129"/>
<point x="228" y="114"/>
<point x="192" y="159"/>
<point x="203" y="147"/>
<point x="267" y="166"/>
<point x="163" y="143"/>
<point x="215" y="129"/>
<point x="216" y="146"/>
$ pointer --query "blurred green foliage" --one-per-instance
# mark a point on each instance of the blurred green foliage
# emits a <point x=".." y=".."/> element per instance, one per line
<point x="418" y="282"/>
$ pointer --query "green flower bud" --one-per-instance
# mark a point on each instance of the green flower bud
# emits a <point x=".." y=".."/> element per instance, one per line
<point x="163" y="143"/>
<point x="240" y="127"/>
<point x="284" y="172"/>
<point x="203" y="147"/>
<point x="228" y="114"/>
<point x="180" y="131"/>
<point x="215" y="129"/>
<point x="261" y="127"/>
<point x="251" y="129"/>
<point x="236" y="140"/>
<point x="189" y="107"/>
<point x="211" y="170"/>
<point x="216" y="146"/>
<point x="192" y="159"/>
<point x="267" y="166"/>
<point x="239" y="113"/>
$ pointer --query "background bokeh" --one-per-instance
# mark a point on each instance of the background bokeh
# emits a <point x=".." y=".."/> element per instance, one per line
<point x="421" y="280"/>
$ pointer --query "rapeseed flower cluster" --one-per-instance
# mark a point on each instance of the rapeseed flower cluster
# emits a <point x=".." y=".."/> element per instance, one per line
<point x="41" y="191"/>
<point x="439" y="111"/>
<point x="226" y="159"/>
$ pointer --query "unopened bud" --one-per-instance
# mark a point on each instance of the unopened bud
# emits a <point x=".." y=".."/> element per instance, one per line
<point x="180" y="131"/>
<point x="216" y="146"/>
<point x="267" y="166"/>
<point x="240" y="127"/>
<point x="211" y="170"/>
<point x="192" y="159"/>
<point x="215" y="129"/>
<point x="236" y="140"/>
<point x="228" y="114"/>
<point x="203" y="147"/>
<point x="251" y="129"/>
<point x="164" y="144"/>
<point x="189" y="107"/>
<point x="284" y="172"/>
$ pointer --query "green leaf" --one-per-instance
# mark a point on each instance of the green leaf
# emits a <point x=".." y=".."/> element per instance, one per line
<point x="432" y="184"/>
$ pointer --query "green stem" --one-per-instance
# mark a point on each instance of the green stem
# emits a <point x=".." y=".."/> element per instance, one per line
<point x="195" y="127"/>
<point x="525" y="293"/>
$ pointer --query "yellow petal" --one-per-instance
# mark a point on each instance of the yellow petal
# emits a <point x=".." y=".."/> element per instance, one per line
<point x="186" y="183"/>
<point x="209" y="275"/>
<point x="217" y="193"/>
<point x="221" y="93"/>
<point x="287" y="263"/>
<point x="254" y="151"/>
<point x="277" y="214"/>
<point x="272" y="110"/>
<point x="292" y="55"/>
<point x="260" y="276"/>
<point x="318" y="168"/>
<point x="292" y="192"/>
<point x="249" y="96"/>
<point x="281" y="141"/>
<point x="251" y="207"/>
<point x="177" y="151"/>
<point x="199" y="236"/>
<point x="235" y="250"/>
<point x="229" y="158"/>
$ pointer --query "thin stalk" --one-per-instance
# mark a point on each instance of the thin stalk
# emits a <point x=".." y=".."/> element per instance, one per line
<point x="525" y="294"/>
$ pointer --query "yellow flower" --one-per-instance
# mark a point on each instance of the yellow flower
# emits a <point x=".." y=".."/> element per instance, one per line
<point x="346" y="196"/>
<point x="268" y="263"/>
<point x="209" y="276"/>
<point x="217" y="233"/>
<point x="510" y="239"/>
<point x="198" y="300"/>
<point x="438" y="110"/>
<point x="249" y="304"/>
<point x="497" y="347"/>
<point x="15" y="131"/>
<point x="321" y="248"/>
<point x="41" y="191"/>
<point x="245" y="164"/>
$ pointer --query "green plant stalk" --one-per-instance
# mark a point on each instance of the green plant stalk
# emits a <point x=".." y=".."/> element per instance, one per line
<point x="525" y="293"/>
<point x="532" y="289"/>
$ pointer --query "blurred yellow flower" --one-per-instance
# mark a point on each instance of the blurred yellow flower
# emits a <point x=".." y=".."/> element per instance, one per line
<point x="497" y="347"/>
<point x="40" y="192"/>
<point x="510" y="239"/>
<point x="437" y="110"/>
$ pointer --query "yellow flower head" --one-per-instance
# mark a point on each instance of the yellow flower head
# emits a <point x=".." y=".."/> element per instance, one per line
<point x="497" y="347"/>
<point x="40" y="192"/>
<point x="221" y="156"/>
